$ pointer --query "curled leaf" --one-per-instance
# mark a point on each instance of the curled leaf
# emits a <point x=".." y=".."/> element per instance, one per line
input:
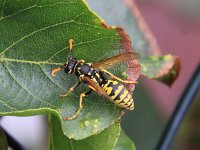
<point x="163" y="68"/>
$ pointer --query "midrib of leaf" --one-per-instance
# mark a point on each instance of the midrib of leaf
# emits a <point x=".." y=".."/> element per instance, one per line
<point x="39" y="63"/>
<point x="29" y="61"/>
<point x="48" y="61"/>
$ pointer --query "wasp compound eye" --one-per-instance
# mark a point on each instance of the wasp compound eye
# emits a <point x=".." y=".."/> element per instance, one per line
<point x="70" y="66"/>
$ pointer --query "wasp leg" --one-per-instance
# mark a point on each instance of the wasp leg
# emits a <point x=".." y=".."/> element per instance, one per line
<point x="80" y="105"/>
<point x="90" y="87"/>
<point x="114" y="77"/>
<point x="71" y="89"/>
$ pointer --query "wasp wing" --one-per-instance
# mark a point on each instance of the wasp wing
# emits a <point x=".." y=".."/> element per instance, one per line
<point x="93" y="85"/>
<point x="116" y="59"/>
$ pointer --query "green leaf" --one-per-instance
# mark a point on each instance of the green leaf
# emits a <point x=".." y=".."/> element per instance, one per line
<point x="34" y="41"/>
<point x="163" y="68"/>
<point x="104" y="140"/>
<point x="3" y="141"/>
<point x="124" y="143"/>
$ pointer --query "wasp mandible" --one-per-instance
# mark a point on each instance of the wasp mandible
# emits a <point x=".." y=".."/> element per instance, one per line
<point x="93" y="75"/>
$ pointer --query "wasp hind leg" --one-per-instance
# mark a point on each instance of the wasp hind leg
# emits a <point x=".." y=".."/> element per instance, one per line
<point x="114" y="77"/>
<point x="80" y="105"/>
<point x="70" y="90"/>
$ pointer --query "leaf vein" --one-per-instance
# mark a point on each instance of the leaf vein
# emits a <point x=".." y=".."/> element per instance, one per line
<point x="89" y="25"/>
<point x="78" y="44"/>
<point x="50" y="78"/>
<point x="32" y="33"/>
<point x="10" y="107"/>
<point x="11" y="74"/>
<point x="2" y="9"/>
<point x="30" y="7"/>
<point x="28" y="61"/>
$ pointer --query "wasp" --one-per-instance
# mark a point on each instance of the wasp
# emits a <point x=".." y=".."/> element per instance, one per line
<point x="94" y="76"/>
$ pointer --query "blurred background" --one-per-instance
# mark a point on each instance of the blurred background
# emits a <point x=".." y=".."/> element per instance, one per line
<point x="175" y="24"/>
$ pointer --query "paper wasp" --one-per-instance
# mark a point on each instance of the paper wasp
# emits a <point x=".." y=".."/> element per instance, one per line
<point x="93" y="75"/>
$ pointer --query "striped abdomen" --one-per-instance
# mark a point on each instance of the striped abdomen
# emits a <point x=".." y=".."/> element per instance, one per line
<point x="119" y="94"/>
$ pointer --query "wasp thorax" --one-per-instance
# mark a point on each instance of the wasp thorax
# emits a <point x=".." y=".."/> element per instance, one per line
<point x="70" y="65"/>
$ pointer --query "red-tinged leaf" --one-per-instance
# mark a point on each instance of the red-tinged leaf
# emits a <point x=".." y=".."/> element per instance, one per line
<point x="134" y="67"/>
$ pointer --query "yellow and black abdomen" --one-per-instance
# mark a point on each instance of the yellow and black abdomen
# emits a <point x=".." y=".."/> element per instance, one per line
<point x="119" y="94"/>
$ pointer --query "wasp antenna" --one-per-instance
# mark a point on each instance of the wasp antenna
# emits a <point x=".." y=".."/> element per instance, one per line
<point x="70" y="44"/>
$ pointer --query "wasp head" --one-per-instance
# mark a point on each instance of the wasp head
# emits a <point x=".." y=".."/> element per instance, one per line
<point x="69" y="66"/>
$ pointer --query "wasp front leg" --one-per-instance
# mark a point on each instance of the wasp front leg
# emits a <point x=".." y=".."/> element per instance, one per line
<point x="114" y="77"/>
<point x="80" y="105"/>
<point x="71" y="89"/>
